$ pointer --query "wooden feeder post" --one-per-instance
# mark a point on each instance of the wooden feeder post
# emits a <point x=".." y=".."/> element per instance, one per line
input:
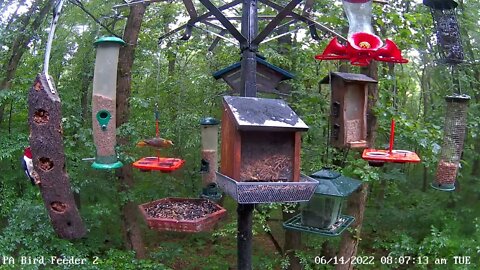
<point x="46" y="142"/>
<point x="348" y="115"/>
<point x="104" y="103"/>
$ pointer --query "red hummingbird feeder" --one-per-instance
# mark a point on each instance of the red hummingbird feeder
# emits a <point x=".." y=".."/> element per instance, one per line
<point x="362" y="44"/>
<point x="162" y="164"/>
<point x="379" y="157"/>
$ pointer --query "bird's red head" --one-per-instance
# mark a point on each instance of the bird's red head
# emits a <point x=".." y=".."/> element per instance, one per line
<point x="27" y="152"/>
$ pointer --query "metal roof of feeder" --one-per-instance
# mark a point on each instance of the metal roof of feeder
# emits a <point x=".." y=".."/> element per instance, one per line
<point x="263" y="114"/>
<point x="349" y="77"/>
<point x="285" y="74"/>
<point x="332" y="183"/>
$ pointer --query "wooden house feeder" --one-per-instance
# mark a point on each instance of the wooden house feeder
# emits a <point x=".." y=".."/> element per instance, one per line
<point x="447" y="30"/>
<point x="322" y="214"/>
<point x="378" y="158"/>
<point x="261" y="152"/>
<point x="268" y="77"/>
<point x="452" y="147"/>
<point x="348" y="115"/>
<point x="182" y="214"/>
<point x="104" y="102"/>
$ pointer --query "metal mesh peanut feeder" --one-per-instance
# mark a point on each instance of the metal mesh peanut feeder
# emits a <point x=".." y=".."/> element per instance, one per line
<point x="447" y="30"/>
<point x="454" y="134"/>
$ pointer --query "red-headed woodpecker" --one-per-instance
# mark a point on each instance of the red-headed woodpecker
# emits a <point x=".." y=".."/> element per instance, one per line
<point x="27" y="165"/>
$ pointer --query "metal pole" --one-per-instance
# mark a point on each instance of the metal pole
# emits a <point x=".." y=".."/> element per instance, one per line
<point x="249" y="89"/>
<point x="249" y="50"/>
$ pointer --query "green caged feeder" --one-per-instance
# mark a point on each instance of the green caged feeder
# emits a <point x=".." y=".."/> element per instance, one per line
<point x="104" y="102"/>
<point x="322" y="214"/>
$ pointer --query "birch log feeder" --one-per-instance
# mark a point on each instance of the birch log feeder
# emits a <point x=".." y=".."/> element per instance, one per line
<point x="46" y="142"/>
<point x="104" y="102"/>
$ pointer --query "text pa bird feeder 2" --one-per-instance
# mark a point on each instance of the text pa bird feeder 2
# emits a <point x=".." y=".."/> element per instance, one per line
<point x="348" y="116"/>
<point x="322" y="214"/>
<point x="452" y="147"/>
<point x="209" y="166"/>
<point x="379" y="157"/>
<point x="362" y="44"/>
<point x="104" y="102"/>
<point x="268" y="77"/>
<point x="182" y="214"/>
<point x="261" y="140"/>
<point x="447" y="30"/>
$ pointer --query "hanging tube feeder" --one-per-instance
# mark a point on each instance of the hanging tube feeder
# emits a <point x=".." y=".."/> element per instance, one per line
<point x="209" y="164"/>
<point x="379" y="157"/>
<point x="104" y="102"/>
<point x="452" y="147"/>
<point x="447" y="30"/>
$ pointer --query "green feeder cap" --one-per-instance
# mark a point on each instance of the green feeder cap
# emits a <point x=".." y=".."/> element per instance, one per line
<point x="209" y="121"/>
<point x="110" y="39"/>
<point x="332" y="183"/>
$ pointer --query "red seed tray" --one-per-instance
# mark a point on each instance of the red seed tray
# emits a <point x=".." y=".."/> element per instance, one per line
<point x="190" y="226"/>
<point x="162" y="164"/>
<point x="396" y="156"/>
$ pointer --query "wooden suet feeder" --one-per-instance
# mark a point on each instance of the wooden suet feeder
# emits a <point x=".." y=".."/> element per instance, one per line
<point x="447" y="30"/>
<point x="348" y="115"/>
<point x="261" y="140"/>
<point x="268" y="77"/>
<point x="322" y="214"/>
<point x="182" y="214"/>
<point x="46" y="142"/>
<point x="453" y="138"/>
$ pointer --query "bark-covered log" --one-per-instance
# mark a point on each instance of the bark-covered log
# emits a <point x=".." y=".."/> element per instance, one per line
<point x="46" y="142"/>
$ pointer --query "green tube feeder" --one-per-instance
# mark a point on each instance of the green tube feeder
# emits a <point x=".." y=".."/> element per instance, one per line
<point x="104" y="103"/>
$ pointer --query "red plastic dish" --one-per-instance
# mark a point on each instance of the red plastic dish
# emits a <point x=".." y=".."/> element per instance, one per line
<point x="390" y="155"/>
<point x="162" y="164"/>
<point x="396" y="156"/>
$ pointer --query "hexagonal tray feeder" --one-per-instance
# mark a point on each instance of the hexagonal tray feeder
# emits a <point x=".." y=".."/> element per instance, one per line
<point x="261" y="144"/>
<point x="182" y="214"/>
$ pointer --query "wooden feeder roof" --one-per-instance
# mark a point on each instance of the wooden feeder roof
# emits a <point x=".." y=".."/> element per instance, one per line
<point x="263" y="114"/>
<point x="332" y="183"/>
<point x="350" y="77"/>
<point x="260" y="61"/>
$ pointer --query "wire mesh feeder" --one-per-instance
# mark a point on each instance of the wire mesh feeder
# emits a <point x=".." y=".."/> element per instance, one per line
<point x="447" y="30"/>
<point x="452" y="147"/>
<point x="182" y="214"/>
<point x="268" y="192"/>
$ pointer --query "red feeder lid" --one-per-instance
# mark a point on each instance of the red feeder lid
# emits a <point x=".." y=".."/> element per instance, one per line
<point x="162" y="164"/>
<point x="396" y="156"/>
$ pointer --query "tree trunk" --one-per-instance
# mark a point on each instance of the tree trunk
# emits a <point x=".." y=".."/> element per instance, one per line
<point x="357" y="201"/>
<point x="20" y="45"/>
<point x="131" y="229"/>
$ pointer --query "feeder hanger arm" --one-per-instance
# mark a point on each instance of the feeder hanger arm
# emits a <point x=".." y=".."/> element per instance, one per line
<point x="56" y="14"/>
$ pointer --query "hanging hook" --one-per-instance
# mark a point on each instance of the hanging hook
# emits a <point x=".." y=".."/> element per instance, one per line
<point x="56" y="13"/>
<point x="313" y="32"/>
